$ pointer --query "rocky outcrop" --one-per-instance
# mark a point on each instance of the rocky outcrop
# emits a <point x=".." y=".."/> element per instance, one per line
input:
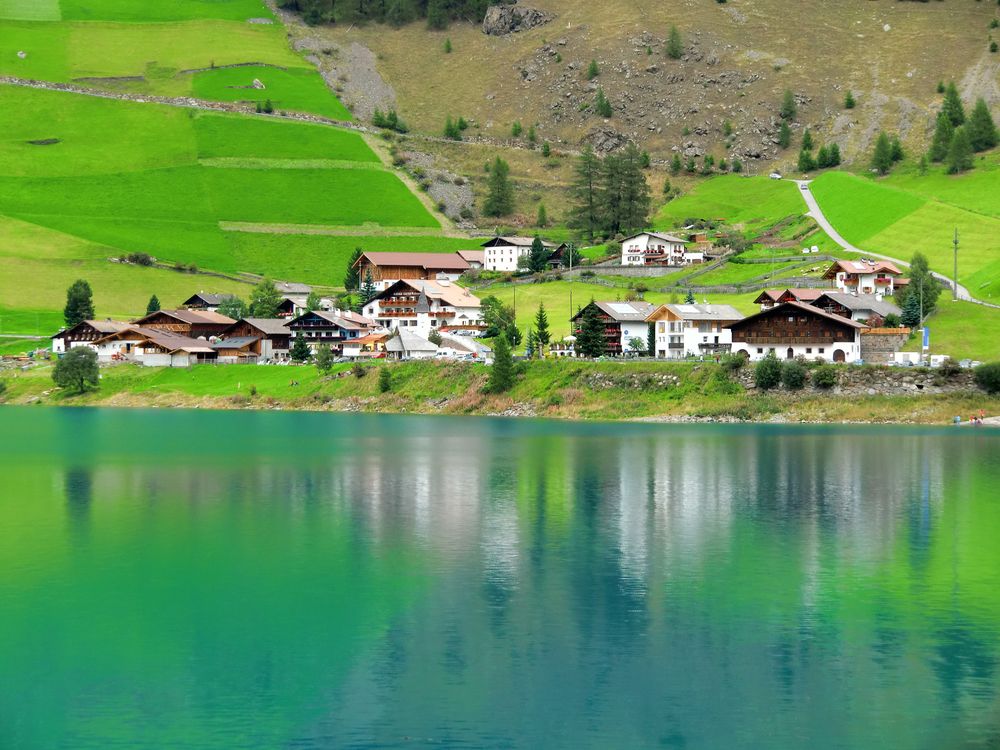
<point x="501" y="20"/>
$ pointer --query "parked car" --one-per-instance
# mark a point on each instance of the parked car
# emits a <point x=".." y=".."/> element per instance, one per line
<point x="775" y="175"/>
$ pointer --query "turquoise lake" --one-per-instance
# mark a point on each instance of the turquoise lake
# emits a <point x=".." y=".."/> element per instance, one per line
<point x="194" y="579"/>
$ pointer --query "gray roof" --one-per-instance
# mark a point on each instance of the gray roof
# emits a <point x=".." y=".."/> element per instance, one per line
<point x="659" y="236"/>
<point x="626" y="312"/>
<point x="270" y="326"/>
<point x="861" y="303"/>
<point x="209" y="298"/>
<point x="237" y="342"/>
<point x="466" y="343"/>
<point x="291" y="287"/>
<point x="705" y="312"/>
<point x="405" y="341"/>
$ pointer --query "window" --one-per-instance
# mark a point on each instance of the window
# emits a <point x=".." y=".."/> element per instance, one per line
<point x="760" y="351"/>
<point x="809" y="350"/>
<point x="822" y="350"/>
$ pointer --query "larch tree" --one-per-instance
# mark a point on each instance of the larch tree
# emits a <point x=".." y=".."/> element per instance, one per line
<point x="960" y="152"/>
<point x="500" y="195"/>
<point x="944" y="131"/>
<point x="982" y="129"/>
<point x="584" y="217"/>
<point x="675" y="44"/>
<point x="952" y="105"/>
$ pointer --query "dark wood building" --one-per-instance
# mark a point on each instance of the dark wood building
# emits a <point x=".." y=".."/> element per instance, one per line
<point x="795" y="329"/>
<point x="331" y="328"/>
<point x="86" y="331"/>
<point x="193" y="323"/>
<point x="272" y="335"/>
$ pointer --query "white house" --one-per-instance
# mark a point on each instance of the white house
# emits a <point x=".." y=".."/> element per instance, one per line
<point x="85" y="332"/>
<point x="623" y="323"/>
<point x="422" y="306"/>
<point x="693" y="330"/>
<point x="866" y="276"/>
<point x="409" y="345"/>
<point x="655" y="249"/>
<point x="503" y="253"/>
<point x="794" y="329"/>
<point x="153" y="347"/>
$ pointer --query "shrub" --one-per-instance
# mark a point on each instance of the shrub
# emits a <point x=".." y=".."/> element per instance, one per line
<point x="384" y="380"/>
<point x="140" y="259"/>
<point x="732" y="363"/>
<point x="950" y="369"/>
<point x="359" y="370"/>
<point x="825" y="376"/>
<point x="793" y="374"/>
<point x="988" y="377"/>
<point x="3" y="387"/>
<point x="767" y="374"/>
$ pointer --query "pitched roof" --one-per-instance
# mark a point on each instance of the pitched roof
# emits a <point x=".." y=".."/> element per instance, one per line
<point x="658" y="235"/>
<point x="702" y="312"/>
<point x="801" y="295"/>
<point x="269" y="326"/>
<point x="863" y="265"/>
<point x="101" y="326"/>
<point x="450" y="294"/>
<point x="209" y="298"/>
<point x="786" y="306"/>
<point x="405" y="341"/>
<point x="188" y="316"/>
<point x="623" y="312"/>
<point x="472" y="256"/>
<point x="426" y="261"/>
<point x="340" y="318"/>
<point x="291" y="287"/>
<point x="861" y="302"/>
<point x="516" y="241"/>
<point x="168" y="340"/>
<point x="466" y="343"/>
<point x="236" y="342"/>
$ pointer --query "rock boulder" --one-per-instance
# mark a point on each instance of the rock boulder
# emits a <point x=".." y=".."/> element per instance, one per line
<point x="501" y="20"/>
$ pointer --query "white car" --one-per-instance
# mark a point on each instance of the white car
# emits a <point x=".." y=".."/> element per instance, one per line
<point x="775" y="175"/>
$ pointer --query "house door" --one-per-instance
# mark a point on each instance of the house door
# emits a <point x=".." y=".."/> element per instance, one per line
<point x="789" y="354"/>
<point x="839" y="356"/>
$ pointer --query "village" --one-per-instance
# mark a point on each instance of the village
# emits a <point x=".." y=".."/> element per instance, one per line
<point x="418" y="306"/>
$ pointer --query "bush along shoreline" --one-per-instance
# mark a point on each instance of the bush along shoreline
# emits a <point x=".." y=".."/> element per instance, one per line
<point x="778" y="391"/>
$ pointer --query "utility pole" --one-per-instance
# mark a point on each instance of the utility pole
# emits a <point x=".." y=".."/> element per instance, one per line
<point x="954" y="288"/>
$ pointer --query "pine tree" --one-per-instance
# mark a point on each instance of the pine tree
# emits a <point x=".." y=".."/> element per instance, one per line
<point x="806" y="161"/>
<point x="675" y="165"/>
<point x="532" y="135"/>
<point x="437" y="14"/>
<point x="601" y="104"/>
<point x="675" y="45"/>
<point x="784" y="135"/>
<point x="822" y="158"/>
<point x="952" y="105"/>
<point x="651" y="340"/>
<point x="943" y="133"/>
<point x="624" y="200"/>
<point x="882" y="157"/>
<point x="351" y="278"/>
<point x="384" y="380"/>
<point x="689" y="299"/>
<point x="982" y="129"/>
<point x="897" y="149"/>
<point x="590" y="341"/>
<point x="530" y="343"/>
<point x="807" y="140"/>
<point x="922" y="285"/>
<point x="516" y="129"/>
<point x="79" y="303"/>
<point x="435" y="337"/>
<point x="368" y="290"/>
<point x="313" y="301"/>
<point x="789" y="109"/>
<point x="911" y="312"/>
<point x="324" y="358"/>
<point x="264" y="300"/>
<point x="546" y="149"/>
<point x="501" y="376"/>
<point x="585" y="215"/>
<point x="834" y="155"/>
<point x="543" y="217"/>
<point x="451" y="129"/>
<point x="592" y="70"/>
<point x="542" y="333"/>
<point x="513" y="334"/>
<point x="300" y="349"/>
<point x="538" y="256"/>
<point x="447" y="46"/>
<point x="153" y="305"/>
<point x="500" y="198"/>
<point x="849" y="102"/>
<point x="960" y="152"/>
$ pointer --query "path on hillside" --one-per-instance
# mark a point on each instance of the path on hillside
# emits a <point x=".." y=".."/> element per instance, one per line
<point x="817" y="213"/>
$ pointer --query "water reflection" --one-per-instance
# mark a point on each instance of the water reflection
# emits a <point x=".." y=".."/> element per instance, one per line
<point x="477" y="583"/>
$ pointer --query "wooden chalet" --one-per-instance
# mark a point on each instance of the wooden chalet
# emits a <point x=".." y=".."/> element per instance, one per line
<point x="771" y="297"/>
<point x="867" y="308"/>
<point x="795" y="329"/>
<point x="623" y="321"/>
<point x="386" y="268"/>
<point x="153" y="347"/>
<point x="866" y="276"/>
<point x="237" y="350"/>
<point x="333" y="328"/>
<point x="85" y="332"/>
<point x="205" y="301"/>
<point x="193" y="323"/>
<point x="272" y="334"/>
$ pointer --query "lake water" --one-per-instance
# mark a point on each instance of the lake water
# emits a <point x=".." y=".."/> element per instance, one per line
<point x="190" y="579"/>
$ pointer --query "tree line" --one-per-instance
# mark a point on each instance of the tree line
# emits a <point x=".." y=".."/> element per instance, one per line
<point x="438" y="13"/>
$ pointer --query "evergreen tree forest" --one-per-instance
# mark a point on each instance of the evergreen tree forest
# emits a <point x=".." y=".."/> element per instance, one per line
<point x="437" y="13"/>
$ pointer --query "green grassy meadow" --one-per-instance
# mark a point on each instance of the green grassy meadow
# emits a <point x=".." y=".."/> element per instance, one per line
<point x="755" y="203"/>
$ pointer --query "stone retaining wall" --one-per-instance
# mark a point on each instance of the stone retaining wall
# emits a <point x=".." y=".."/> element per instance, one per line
<point x="879" y="344"/>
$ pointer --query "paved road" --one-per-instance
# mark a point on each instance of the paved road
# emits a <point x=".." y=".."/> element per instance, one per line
<point x="817" y="213"/>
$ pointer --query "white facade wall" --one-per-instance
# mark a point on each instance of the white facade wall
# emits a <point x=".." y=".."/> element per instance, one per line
<point x="687" y="335"/>
<point x="635" y="330"/>
<point x="826" y="352"/>
<point x="634" y="251"/>
<point x="866" y="284"/>
<point x="503" y="257"/>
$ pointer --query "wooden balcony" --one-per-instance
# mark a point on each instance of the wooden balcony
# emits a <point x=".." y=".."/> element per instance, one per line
<point x="791" y="340"/>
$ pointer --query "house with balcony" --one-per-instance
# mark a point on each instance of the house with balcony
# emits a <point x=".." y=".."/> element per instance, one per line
<point x="271" y="335"/>
<point x="504" y="253"/>
<point x="870" y="309"/>
<point x="692" y="330"/>
<point x="795" y="329"/>
<point x="153" y="347"/>
<point x="657" y="249"/>
<point x="771" y="297"/>
<point x="866" y="276"/>
<point x="85" y="332"/>
<point x="423" y="306"/>
<point x="209" y="301"/>
<point x="192" y="323"/>
<point x="623" y="322"/>
<point x="333" y="328"/>
<point x="388" y="268"/>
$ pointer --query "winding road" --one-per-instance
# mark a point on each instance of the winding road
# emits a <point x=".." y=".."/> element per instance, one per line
<point x="817" y="213"/>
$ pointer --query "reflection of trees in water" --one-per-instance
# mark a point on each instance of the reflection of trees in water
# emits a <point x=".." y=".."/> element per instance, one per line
<point x="78" y="485"/>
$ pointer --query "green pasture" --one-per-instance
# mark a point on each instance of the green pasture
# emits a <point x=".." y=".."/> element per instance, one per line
<point x="266" y="138"/>
<point x="160" y="10"/>
<point x="860" y="208"/>
<point x="962" y="330"/>
<point x="297" y="89"/>
<point x="752" y="202"/>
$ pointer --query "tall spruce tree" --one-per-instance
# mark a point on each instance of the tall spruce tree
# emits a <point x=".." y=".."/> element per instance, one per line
<point x="625" y="198"/>
<point x="944" y="131"/>
<point x="584" y="216"/>
<point x="153" y="305"/>
<point x="300" y="349"/>
<point x="789" y="108"/>
<point x="264" y="300"/>
<point x="689" y="299"/>
<point x="79" y="303"/>
<point x="368" y="290"/>
<point x="911" y="312"/>
<point x="351" y="278"/>
<point x="882" y="157"/>
<point x="784" y="135"/>
<point x="500" y="195"/>
<point x="960" y="151"/>
<point x="982" y="130"/>
<point x="807" y="140"/>
<point x="923" y="285"/>
<point x="538" y="256"/>
<point x="675" y="44"/>
<point x="501" y="376"/>
<point x="952" y="105"/>
<point x="651" y="340"/>
<point x="542" y="333"/>
<point x="590" y="341"/>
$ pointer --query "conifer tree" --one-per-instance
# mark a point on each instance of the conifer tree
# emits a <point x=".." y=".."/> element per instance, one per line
<point x="675" y="165"/>
<point x="585" y="215"/>
<point x="264" y="300"/>
<point x="538" y="256"/>
<point x="543" y="217"/>
<point x="437" y="14"/>
<point x="79" y="303"/>
<point x="982" y="130"/>
<point x="300" y="349"/>
<point x="943" y="133"/>
<point x="351" y="278"/>
<point x="233" y="307"/>
<point x="368" y="291"/>
<point x="590" y="341"/>
<point x="807" y="140"/>
<point x="500" y="197"/>
<point x="601" y="104"/>
<point x="849" y="102"/>
<point x="822" y="158"/>
<point x="384" y="380"/>
<point x="324" y="358"/>
<point x="530" y="343"/>
<point x="513" y="334"/>
<point x="153" y="305"/>
<point x="689" y="299"/>
<point x="542" y="333"/>
<point x="789" y="109"/>
<point x="834" y="155"/>
<point x="960" y="152"/>
<point x="911" y="312"/>
<point x="451" y="129"/>
<point x="897" y="149"/>
<point x="516" y="129"/>
<point x="675" y="45"/>
<point x="501" y="376"/>
<point x="624" y="199"/>
<point x="952" y="105"/>
<point x="592" y="70"/>
<point x="882" y="157"/>
<point x="651" y="340"/>
<point x="784" y="135"/>
<point x="806" y="161"/>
